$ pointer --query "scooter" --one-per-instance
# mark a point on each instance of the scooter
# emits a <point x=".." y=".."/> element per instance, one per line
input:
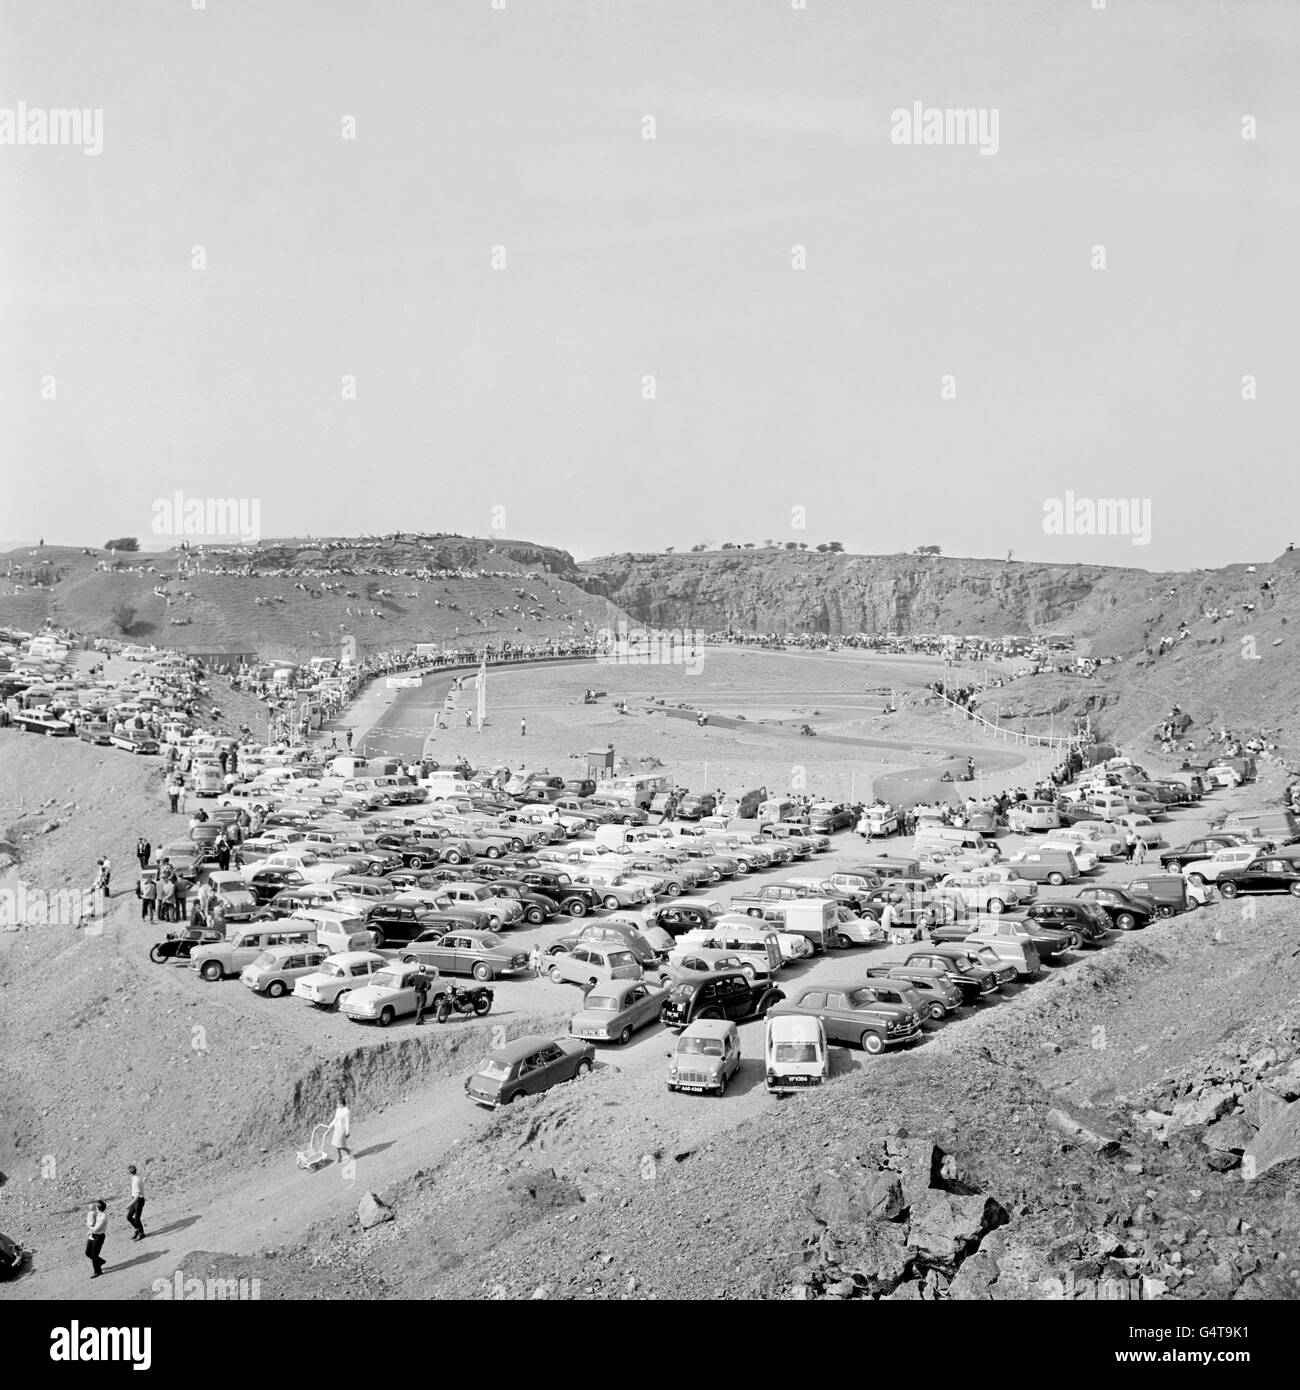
<point x="179" y="944"/>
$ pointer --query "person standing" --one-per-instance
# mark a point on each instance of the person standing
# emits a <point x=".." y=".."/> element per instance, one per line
<point x="421" y="997"/>
<point x="222" y="848"/>
<point x="148" y="897"/>
<point x="166" y="895"/>
<point x="96" y="1230"/>
<point x="105" y="875"/>
<point x="173" y="794"/>
<point x="536" y="961"/>
<point x="1130" y="843"/>
<point x="143" y="851"/>
<point x="1140" y="851"/>
<point x="341" y="1129"/>
<point x="134" y="1211"/>
<point x="523" y="727"/>
<point x="889" y="919"/>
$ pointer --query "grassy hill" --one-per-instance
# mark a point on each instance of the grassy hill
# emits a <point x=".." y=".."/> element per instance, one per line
<point x="313" y="592"/>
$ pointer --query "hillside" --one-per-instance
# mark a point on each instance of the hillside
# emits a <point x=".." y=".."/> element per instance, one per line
<point x="296" y="598"/>
<point x="1229" y="617"/>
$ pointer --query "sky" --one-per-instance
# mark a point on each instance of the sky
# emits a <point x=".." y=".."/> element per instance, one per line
<point x="275" y="280"/>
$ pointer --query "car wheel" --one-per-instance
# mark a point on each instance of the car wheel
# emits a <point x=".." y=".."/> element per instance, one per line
<point x="454" y="856"/>
<point x="1056" y="879"/>
<point x="873" y="1043"/>
<point x="510" y="1097"/>
<point x="709" y="1013"/>
<point x="937" y="1011"/>
<point x="482" y="972"/>
<point x="1228" y="888"/>
<point x="275" y="989"/>
<point x="625" y="1036"/>
<point x="494" y="851"/>
<point x="996" y="905"/>
<point x="1165" y="910"/>
<point x="1294" y="890"/>
<point x="577" y="908"/>
<point x="535" y="916"/>
<point x="494" y="922"/>
<point x="843" y="942"/>
<point x="416" y="861"/>
<point x="610" y="903"/>
<point x="627" y="820"/>
<point x="554" y="973"/>
<point x="722" y="1086"/>
<point x="211" y="971"/>
<point x="386" y="1017"/>
<point x="673" y="890"/>
<point x="377" y="938"/>
<point x="1126" y="921"/>
<point x="582" y="1068"/>
<point x="339" y="998"/>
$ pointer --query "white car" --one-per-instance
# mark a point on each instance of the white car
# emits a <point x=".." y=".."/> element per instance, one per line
<point x="1105" y="844"/>
<point x="1084" y="856"/>
<point x="1143" y="827"/>
<point x="792" y="946"/>
<point x="310" y="866"/>
<point x="1208" y="870"/>
<point x="338" y="976"/>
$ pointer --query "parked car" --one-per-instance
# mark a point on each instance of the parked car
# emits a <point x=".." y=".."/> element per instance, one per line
<point x="718" y="994"/>
<point x="622" y="935"/>
<point x="590" y="963"/>
<point x="481" y="954"/>
<point x="390" y="993"/>
<point x="337" y="977"/>
<point x="856" y="1013"/>
<point x="1142" y="826"/>
<point x="1127" y="911"/>
<point x="1167" y="891"/>
<point x="974" y="980"/>
<point x="1266" y="874"/>
<point x="279" y="968"/>
<point x="796" y="1053"/>
<point x="1221" y="862"/>
<point x="1032" y="815"/>
<point x="1204" y="847"/>
<point x="937" y="993"/>
<point x="706" y="1057"/>
<point x="526" y="1067"/>
<point x="1054" y="866"/>
<point x="615" y="1009"/>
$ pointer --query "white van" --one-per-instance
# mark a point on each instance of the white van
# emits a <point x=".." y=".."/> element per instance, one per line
<point x="796" y="1053"/>
<point x="1108" y="805"/>
<point x="340" y="931"/>
<point x="757" y="947"/>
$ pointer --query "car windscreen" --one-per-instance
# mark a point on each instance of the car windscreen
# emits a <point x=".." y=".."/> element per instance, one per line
<point x="263" y="960"/>
<point x="386" y="979"/>
<point x="334" y="971"/>
<point x="795" y="1052"/>
<point x="700" y="1047"/>
<point x="497" y="1071"/>
<point x="619" y="959"/>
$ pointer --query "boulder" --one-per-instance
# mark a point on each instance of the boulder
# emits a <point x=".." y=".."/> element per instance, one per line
<point x="1205" y="1108"/>
<point x="372" y="1211"/>
<point x="1231" y="1134"/>
<point x="883" y="1199"/>
<point x="879" y="1258"/>
<point x="945" y="1228"/>
<point x="1278" y="1142"/>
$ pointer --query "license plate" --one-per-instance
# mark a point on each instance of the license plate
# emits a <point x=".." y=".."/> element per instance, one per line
<point x="697" y="1089"/>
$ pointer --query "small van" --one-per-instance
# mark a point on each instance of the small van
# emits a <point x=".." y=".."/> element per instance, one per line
<point x="776" y="810"/>
<point x="796" y="1053"/>
<point x="339" y="930"/>
<point x="1054" y="866"/>
<point x="888" y="866"/>
<point x="1278" y="826"/>
<point x="207" y="779"/>
<point x="756" y="947"/>
<point x="743" y="805"/>
<point x="279" y="968"/>
<point x="1108" y="805"/>
<point x="947" y="843"/>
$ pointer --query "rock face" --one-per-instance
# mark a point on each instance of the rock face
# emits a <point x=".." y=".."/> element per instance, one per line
<point x="373" y="1211"/>
<point x="773" y="591"/>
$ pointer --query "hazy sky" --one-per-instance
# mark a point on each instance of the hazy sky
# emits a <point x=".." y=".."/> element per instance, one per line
<point x="775" y="388"/>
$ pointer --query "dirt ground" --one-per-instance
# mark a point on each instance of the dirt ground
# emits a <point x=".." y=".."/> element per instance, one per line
<point x="613" y="1187"/>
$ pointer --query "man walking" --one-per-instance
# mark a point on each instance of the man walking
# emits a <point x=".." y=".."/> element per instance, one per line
<point x="96" y="1230"/>
<point x="133" y="1212"/>
<point x="421" y="996"/>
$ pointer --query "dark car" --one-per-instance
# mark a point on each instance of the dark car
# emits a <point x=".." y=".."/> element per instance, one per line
<point x="937" y="993"/>
<point x="1267" y="874"/>
<point x="396" y="924"/>
<point x="830" y="817"/>
<point x="431" y="880"/>
<point x="677" y="919"/>
<point x="1127" y="911"/>
<point x="974" y="980"/>
<point x="1089" y="923"/>
<point x="717" y="994"/>
<point x="1050" y="939"/>
<point x="1071" y="811"/>
<point x="376" y="864"/>
<point x="538" y="908"/>
<point x="696" y="806"/>
<point x="267" y="883"/>
<point x="1203" y="848"/>
<point x="571" y="898"/>
<point x="871" y="1014"/>
<point x="527" y="1067"/>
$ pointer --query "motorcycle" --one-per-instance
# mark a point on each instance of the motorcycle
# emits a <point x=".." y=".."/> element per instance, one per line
<point x="179" y="944"/>
<point x="475" y="1001"/>
<point x="808" y="731"/>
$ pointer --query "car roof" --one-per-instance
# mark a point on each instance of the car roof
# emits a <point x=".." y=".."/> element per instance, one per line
<point x="522" y="1047"/>
<point x="709" y="1028"/>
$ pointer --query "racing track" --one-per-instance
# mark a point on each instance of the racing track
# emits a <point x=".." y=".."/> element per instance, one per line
<point x="404" y="729"/>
